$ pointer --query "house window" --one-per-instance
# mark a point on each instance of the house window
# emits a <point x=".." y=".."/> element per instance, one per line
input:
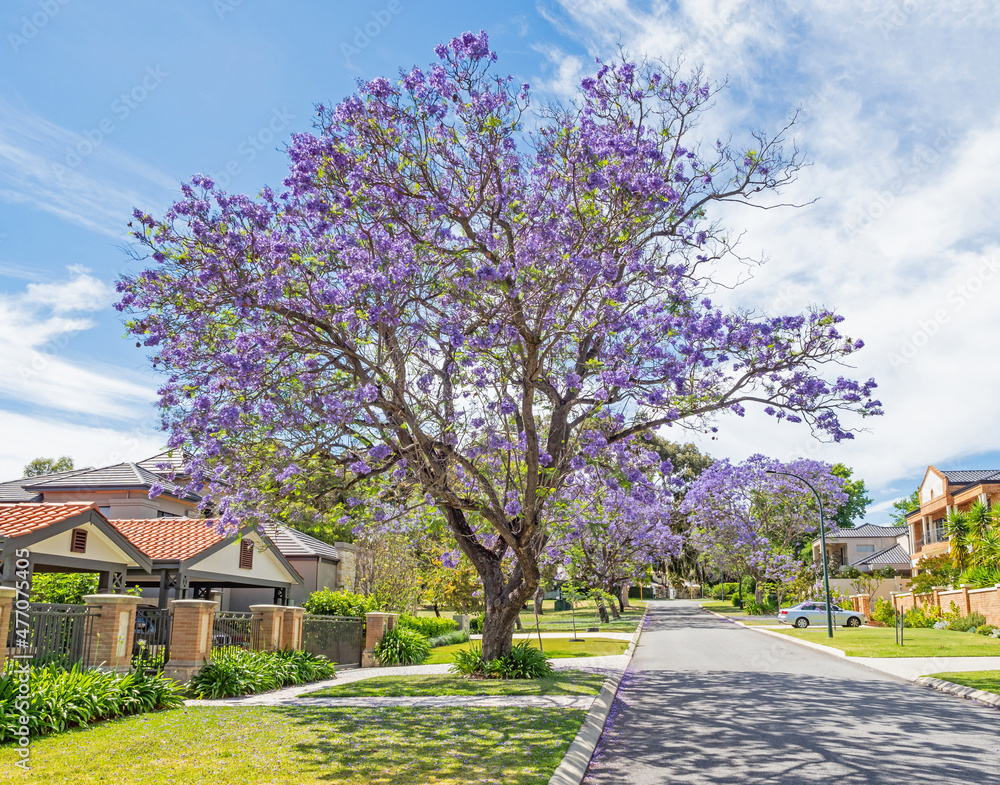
<point x="78" y="541"/>
<point x="246" y="554"/>
<point x="866" y="549"/>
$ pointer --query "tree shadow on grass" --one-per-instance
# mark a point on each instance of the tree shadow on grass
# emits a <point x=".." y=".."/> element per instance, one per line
<point x="406" y="746"/>
<point x="734" y="727"/>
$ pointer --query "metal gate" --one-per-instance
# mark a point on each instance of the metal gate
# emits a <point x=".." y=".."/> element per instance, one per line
<point x="151" y="640"/>
<point x="338" y="638"/>
<point x="48" y="633"/>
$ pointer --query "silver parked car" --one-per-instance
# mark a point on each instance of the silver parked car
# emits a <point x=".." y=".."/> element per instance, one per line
<point x="806" y="613"/>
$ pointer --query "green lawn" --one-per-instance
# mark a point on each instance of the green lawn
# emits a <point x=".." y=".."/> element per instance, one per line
<point x="554" y="648"/>
<point x="881" y="642"/>
<point x="586" y="616"/>
<point x="987" y="681"/>
<point x="569" y="682"/>
<point x="401" y="746"/>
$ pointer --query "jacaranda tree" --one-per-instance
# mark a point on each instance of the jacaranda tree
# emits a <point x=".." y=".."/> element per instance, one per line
<point x="747" y="521"/>
<point x="474" y="295"/>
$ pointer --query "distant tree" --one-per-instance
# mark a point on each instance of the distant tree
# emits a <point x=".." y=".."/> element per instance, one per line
<point x="902" y="506"/>
<point x="42" y="466"/>
<point x="858" y="499"/>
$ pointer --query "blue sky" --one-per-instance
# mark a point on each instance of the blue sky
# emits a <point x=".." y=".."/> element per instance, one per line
<point x="108" y="106"/>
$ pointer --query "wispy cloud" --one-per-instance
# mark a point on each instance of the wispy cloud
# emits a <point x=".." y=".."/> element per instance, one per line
<point x="41" y="166"/>
<point x="37" y="331"/>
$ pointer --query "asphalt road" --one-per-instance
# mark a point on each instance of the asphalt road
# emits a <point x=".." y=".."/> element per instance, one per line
<point x="706" y="701"/>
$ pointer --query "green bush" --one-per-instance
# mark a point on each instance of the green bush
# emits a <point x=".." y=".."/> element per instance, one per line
<point x="981" y="577"/>
<point x="985" y="629"/>
<point x="58" y="699"/>
<point x="339" y="603"/>
<point x="737" y="602"/>
<point x="428" y="626"/>
<point x="883" y="612"/>
<point x="523" y="662"/>
<point x="239" y="672"/>
<point x="476" y="624"/>
<point x="63" y="587"/>
<point x="749" y="585"/>
<point x="448" y="639"/>
<point x="966" y="623"/>
<point x="402" y="646"/>
<point x="922" y="617"/>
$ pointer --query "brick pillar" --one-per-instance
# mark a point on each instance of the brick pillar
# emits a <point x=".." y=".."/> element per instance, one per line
<point x="866" y="605"/>
<point x="291" y="630"/>
<point x="377" y="625"/>
<point x="7" y="595"/>
<point x="190" y="637"/>
<point x="112" y="632"/>
<point x="965" y="599"/>
<point x="272" y="619"/>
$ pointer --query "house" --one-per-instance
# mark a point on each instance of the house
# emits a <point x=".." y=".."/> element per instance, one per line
<point x="67" y="537"/>
<point x="867" y="547"/>
<point x="120" y="491"/>
<point x="192" y="559"/>
<point x="321" y="565"/>
<point x="940" y="493"/>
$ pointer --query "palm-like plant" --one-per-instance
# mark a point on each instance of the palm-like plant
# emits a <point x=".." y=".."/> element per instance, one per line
<point x="957" y="527"/>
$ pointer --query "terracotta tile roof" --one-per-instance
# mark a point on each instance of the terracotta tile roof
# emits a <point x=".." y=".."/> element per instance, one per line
<point x="171" y="539"/>
<point x="24" y="518"/>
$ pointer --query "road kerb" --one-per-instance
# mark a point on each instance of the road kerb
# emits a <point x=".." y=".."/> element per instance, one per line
<point x="573" y="767"/>
<point x="989" y="698"/>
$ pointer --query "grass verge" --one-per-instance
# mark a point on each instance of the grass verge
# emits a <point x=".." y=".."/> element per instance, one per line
<point x="569" y="682"/>
<point x="987" y="681"/>
<point x="401" y="746"/>
<point x="586" y="616"/>
<point x="555" y="648"/>
<point x="881" y="642"/>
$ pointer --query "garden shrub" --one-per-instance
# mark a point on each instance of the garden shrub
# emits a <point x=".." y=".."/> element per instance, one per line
<point x="428" y="626"/>
<point x="922" y="617"/>
<point x="749" y="585"/>
<point x="729" y="589"/>
<point x="883" y="612"/>
<point x="448" y="639"/>
<point x="402" y="646"/>
<point x="523" y="662"/>
<point x="339" y="603"/>
<point x="58" y="699"/>
<point x="985" y="629"/>
<point x="737" y="602"/>
<point x="966" y="623"/>
<point x="476" y="624"/>
<point x="239" y="672"/>
<point x="753" y="608"/>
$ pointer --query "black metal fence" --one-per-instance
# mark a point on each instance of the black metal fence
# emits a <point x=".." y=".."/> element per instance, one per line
<point x="46" y="633"/>
<point x="338" y="638"/>
<point x="234" y="630"/>
<point x="151" y="641"/>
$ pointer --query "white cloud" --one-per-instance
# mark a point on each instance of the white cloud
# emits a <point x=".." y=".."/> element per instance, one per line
<point x="64" y="173"/>
<point x="39" y="329"/>
<point x="26" y="438"/>
<point x="904" y="135"/>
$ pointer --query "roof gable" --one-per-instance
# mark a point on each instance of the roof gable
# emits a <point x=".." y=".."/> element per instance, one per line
<point x="292" y="542"/>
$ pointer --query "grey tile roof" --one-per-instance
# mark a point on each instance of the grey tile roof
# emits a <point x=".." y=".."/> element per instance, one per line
<point x="965" y="476"/>
<point x="894" y="555"/>
<point x="164" y="463"/>
<point x="15" y="491"/>
<point x="118" y="476"/>
<point x="292" y="542"/>
<point x="867" y="530"/>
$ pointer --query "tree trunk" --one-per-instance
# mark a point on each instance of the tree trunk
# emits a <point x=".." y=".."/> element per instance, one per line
<point x="614" y="610"/>
<point x="602" y="611"/>
<point x="623" y="596"/>
<point x="539" y="597"/>
<point x="503" y="596"/>
<point x="436" y="611"/>
<point x="517" y="623"/>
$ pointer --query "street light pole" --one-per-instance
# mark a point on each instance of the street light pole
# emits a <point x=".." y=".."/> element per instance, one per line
<point x="822" y="537"/>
